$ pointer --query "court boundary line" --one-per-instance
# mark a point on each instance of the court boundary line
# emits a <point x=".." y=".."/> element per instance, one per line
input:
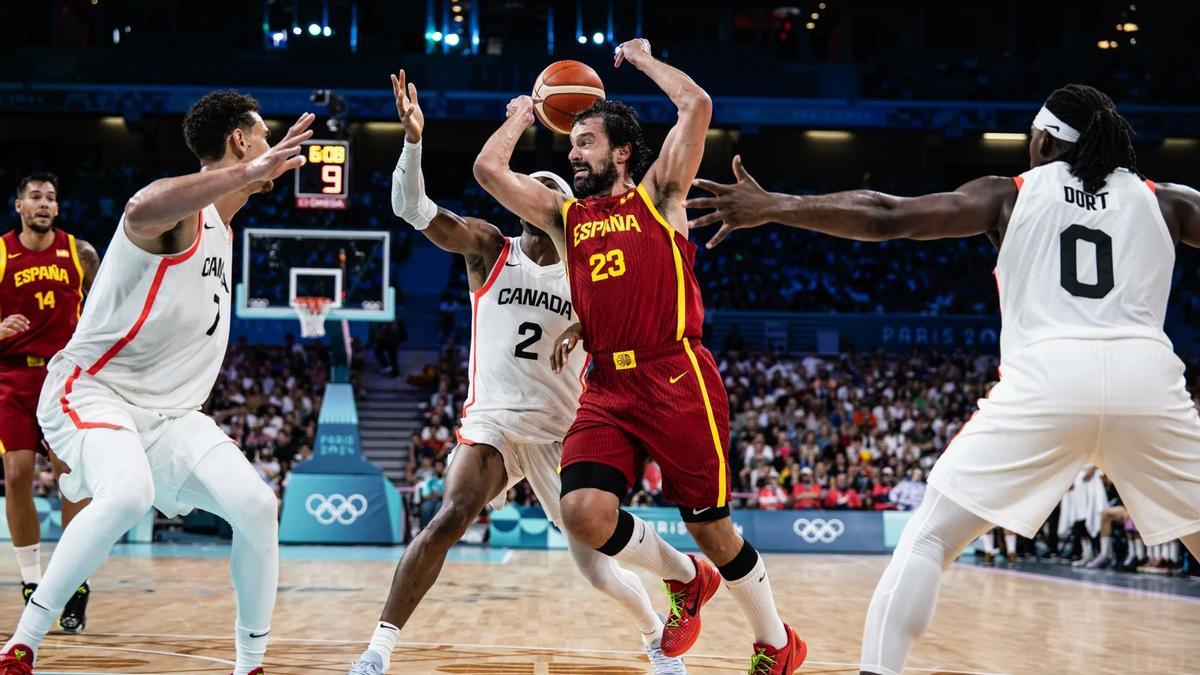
<point x="562" y="650"/>
<point x="1084" y="583"/>
<point x="213" y="659"/>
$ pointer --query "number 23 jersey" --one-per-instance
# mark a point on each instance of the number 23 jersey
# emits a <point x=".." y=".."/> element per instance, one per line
<point x="516" y="316"/>
<point x="1075" y="265"/>
<point x="155" y="327"/>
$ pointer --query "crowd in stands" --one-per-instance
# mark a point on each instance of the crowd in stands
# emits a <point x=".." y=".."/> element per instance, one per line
<point x="267" y="399"/>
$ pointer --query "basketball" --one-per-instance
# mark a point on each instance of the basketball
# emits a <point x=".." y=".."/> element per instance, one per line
<point x="562" y="91"/>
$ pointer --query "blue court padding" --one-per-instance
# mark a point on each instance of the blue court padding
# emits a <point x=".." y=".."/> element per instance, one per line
<point x="50" y="518"/>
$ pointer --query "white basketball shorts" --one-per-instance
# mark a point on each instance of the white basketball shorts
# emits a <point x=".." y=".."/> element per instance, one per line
<point x="1118" y="404"/>
<point x="537" y="461"/>
<point x="73" y="402"/>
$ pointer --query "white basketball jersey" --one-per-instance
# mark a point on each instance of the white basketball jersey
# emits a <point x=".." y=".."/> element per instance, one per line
<point x="516" y="316"/>
<point x="155" y="328"/>
<point x="1080" y="265"/>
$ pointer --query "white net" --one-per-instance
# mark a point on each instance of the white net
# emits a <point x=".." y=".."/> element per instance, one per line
<point x="312" y="313"/>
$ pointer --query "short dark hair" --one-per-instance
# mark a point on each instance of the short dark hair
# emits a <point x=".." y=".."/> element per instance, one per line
<point x="1105" y="138"/>
<point x="36" y="177"/>
<point x="208" y="123"/>
<point x="622" y="127"/>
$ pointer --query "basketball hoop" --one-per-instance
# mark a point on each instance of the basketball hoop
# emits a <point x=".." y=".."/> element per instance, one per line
<point x="312" y="312"/>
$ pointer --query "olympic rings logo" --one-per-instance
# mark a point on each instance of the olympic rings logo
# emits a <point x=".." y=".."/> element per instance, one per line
<point x="818" y="530"/>
<point x="335" y="508"/>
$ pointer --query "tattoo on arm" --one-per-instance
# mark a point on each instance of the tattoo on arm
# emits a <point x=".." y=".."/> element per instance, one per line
<point x="89" y="259"/>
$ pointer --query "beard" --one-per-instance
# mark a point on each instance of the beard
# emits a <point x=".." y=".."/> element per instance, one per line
<point x="594" y="182"/>
<point x="39" y="227"/>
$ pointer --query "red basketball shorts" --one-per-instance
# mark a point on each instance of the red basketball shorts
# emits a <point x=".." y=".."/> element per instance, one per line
<point x="667" y="403"/>
<point x="20" y="387"/>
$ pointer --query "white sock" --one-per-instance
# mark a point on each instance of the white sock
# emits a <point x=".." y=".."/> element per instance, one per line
<point x="753" y="594"/>
<point x="1172" y="551"/>
<point x="1010" y="543"/>
<point x="30" y="561"/>
<point x="1140" y="548"/>
<point x="251" y="648"/>
<point x="620" y="584"/>
<point x="35" y="622"/>
<point x="384" y="641"/>
<point x="647" y="550"/>
<point x="1105" y="547"/>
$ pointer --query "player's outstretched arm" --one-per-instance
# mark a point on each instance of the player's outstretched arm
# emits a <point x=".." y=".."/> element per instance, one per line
<point x="679" y="159"/>
<point x="1180" y="206"/>
<point x="865" y="215"/>
<point x="89" y="259"/>
<point x="159" y="207"/>
<point x="524" y="196"/>
<point x="449" y="231"/>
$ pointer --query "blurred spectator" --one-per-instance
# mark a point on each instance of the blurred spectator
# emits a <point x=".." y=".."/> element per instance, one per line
<point x="909" y="494"/>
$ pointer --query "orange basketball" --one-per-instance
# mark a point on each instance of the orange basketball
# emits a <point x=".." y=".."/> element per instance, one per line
<point x="565" y="89"/>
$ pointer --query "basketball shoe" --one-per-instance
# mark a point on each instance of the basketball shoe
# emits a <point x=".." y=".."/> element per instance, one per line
<point x="256" y="671"/>
<point x="783" y="661"/>
<point x="660" y="663"/>
<point x="74" y="614"/>
<point x="683" y="623"/>
<point x="370" y="663"/>
<point x="17" y="661"/>
<point x="27" y="591"/>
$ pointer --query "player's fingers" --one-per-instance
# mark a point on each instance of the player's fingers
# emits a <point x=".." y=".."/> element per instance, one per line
<point x="710" y="186"/>
<point x="719" y="236"/>
<point x="403" y="79"/>
<point x="708" y="219"/>
<point x="701" y="203"/>
<point x="412" y="93"/>
<point x="738" y="170"/>
<point x="291" y="144"/>
<point x="395" y="85"/>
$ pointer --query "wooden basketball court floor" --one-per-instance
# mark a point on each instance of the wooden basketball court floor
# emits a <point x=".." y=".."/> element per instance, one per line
<point x="169" y="609"/>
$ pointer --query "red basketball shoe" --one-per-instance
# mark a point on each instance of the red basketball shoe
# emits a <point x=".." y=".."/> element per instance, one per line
<point x="683" y="622"/>
<point x="17" y="661"/>
<point x="783" y="661"/>
<point x="256" y="671"/>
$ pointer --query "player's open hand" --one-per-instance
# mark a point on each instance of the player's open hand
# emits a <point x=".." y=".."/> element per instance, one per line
<point x="563" y="346"/>
<point x="284" y="155"/>
<point x="522" y="107"/>
<point x="13" y="324"/>
<point x="632" y="51"/>
<point x="408" y="108"/>
<point x="740" y="205"/>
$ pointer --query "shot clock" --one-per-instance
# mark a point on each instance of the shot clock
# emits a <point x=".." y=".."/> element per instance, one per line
<point x="324" y="180"/>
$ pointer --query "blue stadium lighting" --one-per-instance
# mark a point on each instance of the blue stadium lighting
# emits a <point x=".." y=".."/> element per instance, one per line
<point x="326" y="31"/>
<point x="436" y="36"/>
<point x="452" y="39"/>
<point x="314" y="30"/>
<point x="296" y="30"/>
<point x="582" y="39"/>
<point x="597" y="37"/>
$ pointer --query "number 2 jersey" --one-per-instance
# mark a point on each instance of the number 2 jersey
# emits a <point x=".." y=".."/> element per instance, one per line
<point x="1079" y="265"/>
<point x="631" y="274"/>
<point x="516" y="316"/>
<point x="156" y="327"/>
<point x="45" y="287"/>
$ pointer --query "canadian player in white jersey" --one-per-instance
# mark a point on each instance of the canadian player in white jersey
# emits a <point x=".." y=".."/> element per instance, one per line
<point x="120" y="405"/>
<point x="1089" y="376"/>
<point x="517" y="410"/>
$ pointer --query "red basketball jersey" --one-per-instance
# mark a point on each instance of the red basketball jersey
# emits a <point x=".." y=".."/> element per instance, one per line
<point x="46" y="287"/>
<point x="631" y="275"/>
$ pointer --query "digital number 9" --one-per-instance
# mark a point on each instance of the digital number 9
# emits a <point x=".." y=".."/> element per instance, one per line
<point x="331" y="176"/>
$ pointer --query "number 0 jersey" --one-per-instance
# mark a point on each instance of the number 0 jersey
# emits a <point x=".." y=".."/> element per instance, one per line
<point x="516" y="316"/>
<point x="156" y="327"/>
<point x="631" y="274"/>
<point x="1081" y="265"/>
<point x="45" y="287"/>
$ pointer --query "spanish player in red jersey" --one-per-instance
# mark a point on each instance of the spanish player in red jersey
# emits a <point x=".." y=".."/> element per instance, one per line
<point x="654" y="389"/>
<point x="44" y="274"/>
